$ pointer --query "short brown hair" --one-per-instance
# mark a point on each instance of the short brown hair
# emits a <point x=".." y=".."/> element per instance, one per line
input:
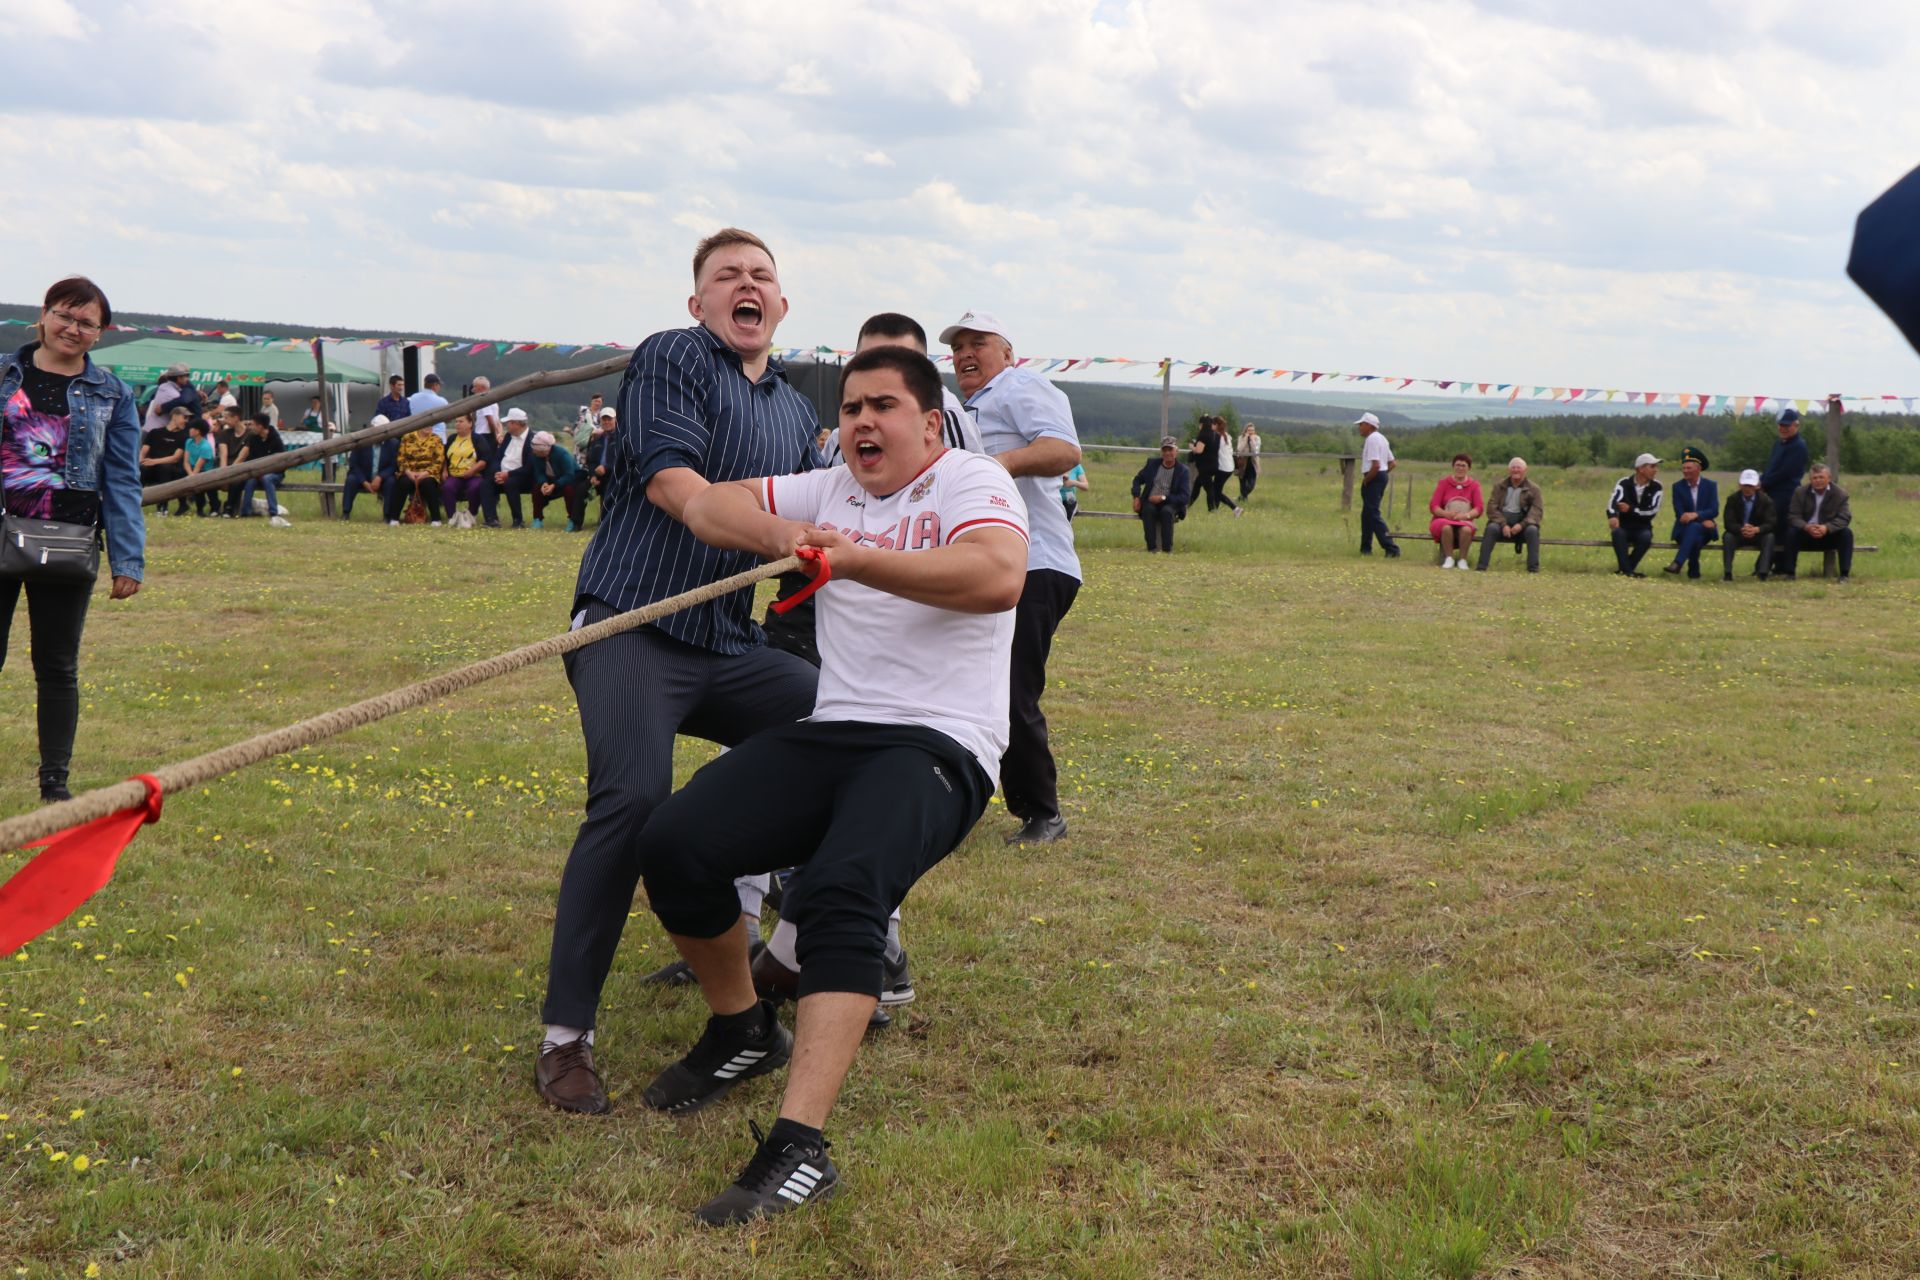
<point x="1463" y="457"/>
<point x="721" y="239"/>
<point x="78" y="291"/>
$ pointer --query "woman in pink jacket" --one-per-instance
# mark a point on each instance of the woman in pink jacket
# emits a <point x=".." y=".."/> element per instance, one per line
<point x="1455" y="506"/>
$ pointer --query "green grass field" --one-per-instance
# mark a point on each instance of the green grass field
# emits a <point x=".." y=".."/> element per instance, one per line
<point x="1412" y="924"/>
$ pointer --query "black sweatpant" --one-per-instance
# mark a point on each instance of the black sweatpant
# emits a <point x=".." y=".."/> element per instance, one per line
<point x="867" y="810"/>
<point x="636" y="691"/>
<point x="1630" y="545"/>
<point x="56" y="612"/>
<point x="401" y="488"/>
<point x="1029" y="783"/>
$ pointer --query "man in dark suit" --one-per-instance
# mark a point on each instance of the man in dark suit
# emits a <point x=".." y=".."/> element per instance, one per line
<point x="1746" y="523"/>
<point x="1696" y="512"/>
<point x="370" y="470"/>
<point x="1160" y="495"/>
<point x="1820" y="519"/>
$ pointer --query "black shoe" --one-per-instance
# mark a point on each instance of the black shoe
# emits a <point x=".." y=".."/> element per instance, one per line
<point x="677" y="974"/>
<point x="1726" y="577"/>
<point x="1393" y="553"/>
<point x="896" y="983"/>
<point x="1039" y="831"/>
<point x="879" y="1021"/>
<point x="719" y="1061"/>
<point x="1672" y="568"/>
<point x="52" y="792"/>
<point x="1787" y="576"/>
<point x="519" y="524"/>
<point x="493" y="524"/>
<point x="1636" y="574"/>
<point x="777" y="1179"/>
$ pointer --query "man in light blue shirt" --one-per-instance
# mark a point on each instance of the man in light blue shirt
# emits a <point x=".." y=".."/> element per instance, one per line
<point x="426" y="400"/>
<point x="1027" y="426"/>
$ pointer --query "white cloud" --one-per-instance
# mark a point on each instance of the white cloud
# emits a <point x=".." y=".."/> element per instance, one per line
<point x="1639" y="193"/>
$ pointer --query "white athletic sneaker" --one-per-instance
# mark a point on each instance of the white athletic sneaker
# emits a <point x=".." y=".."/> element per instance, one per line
<point x="1447" y="563"/>
<point x="281" y="522"/>
<point x="1462" y="563"/>
<point x="393" y="524"/>
<point x="434" y="523"/>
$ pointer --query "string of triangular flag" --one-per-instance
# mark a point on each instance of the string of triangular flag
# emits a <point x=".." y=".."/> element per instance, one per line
<point x="1686" y="401"/>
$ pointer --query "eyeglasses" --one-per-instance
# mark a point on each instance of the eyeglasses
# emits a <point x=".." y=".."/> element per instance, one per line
<point x="68" y="320"/>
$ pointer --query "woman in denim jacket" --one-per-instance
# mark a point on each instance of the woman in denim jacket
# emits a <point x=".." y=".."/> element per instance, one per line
<point x="69" y="451"/>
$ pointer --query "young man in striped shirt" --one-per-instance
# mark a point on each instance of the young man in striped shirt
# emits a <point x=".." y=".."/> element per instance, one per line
<point x="698" y="406"/>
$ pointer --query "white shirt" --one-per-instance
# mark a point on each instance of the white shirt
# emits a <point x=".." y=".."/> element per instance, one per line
<point x="486" y="421"/>
<point x="888" y="660"/>
<point x="1015" y="409"/>
<point x="511" y="451"/>
<point x="1223" y="453"/>
<point x="1374" y="449"/>
<point x="957" y="430"/>
<point x="425" y="401"/>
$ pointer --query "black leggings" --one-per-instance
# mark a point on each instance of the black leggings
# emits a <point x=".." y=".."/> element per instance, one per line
<point x="1215" y="483"/>
<point x="56" y="612"/>
<point x="401" y="488"/>
<point x="863" y="810"/>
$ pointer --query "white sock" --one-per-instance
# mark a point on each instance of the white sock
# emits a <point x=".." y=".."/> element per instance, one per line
<point x="780" y="945"/>
<point x="558" y="1037"/>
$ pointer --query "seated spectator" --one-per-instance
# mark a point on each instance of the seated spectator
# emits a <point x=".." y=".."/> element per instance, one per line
<point x="1161" y="492"/>
<point x="1513" y="515"/>
<point x="370" y="469"/>
<point x="1696" y="512"/>
<point x="467" y="479"/>
<point x="1820" y="519"/>
<point x="553" y="474"/>
<point x="1630" y="514"/>
<point x="510" y="475"/>
<point x="230" y="443"/>
<point x="1747" y="523"/>
<point x="263" y="442"/>
<point x="1455" y="505"/>
<point x="200" y="458"/>
<point x="419" y="466"/>
<point x="163" y="455"/>
<point x="594" y="461"/>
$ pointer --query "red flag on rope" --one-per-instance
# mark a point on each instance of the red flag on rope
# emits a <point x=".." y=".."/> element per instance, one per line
<point x="74" y="865"/>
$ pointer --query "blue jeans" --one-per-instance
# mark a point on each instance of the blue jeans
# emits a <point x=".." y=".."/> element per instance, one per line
<point x="1372" y="525"/>
<point x="1692" y="540"/>
<point x="271" y="484"/>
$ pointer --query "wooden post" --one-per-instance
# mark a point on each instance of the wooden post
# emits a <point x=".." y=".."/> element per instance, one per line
<point x="326" y="430"/>
<point x="1409" y="508"/>
<point x="1346" y="482"/>
<point x="1166" y="396"/>
<point x="1834" y="410"/>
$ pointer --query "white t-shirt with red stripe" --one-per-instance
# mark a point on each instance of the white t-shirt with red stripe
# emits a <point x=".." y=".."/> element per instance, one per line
<point x="887" y="660"/>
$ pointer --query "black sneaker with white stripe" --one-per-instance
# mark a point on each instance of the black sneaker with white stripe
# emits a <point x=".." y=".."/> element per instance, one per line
<point x="722" y="1059"/>
<point x="783" y="1175"/>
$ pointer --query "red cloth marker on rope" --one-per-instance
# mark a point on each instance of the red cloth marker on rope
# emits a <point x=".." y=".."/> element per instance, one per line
<point x="74" y="865"/>
<point x="825" y="571"/>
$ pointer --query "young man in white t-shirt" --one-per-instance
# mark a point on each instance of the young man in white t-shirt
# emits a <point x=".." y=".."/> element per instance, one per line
<point x="927" y="548"/>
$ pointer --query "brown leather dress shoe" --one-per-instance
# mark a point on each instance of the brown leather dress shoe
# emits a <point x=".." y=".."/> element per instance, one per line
<point x="566" y="1078"/>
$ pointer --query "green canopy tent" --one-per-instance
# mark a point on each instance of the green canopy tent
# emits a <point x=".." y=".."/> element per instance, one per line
<point x="142" y="361"/>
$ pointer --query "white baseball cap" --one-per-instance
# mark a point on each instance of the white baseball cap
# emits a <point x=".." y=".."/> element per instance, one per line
<point x="979" y="322"/>
<point x="1366" y="420"/>
<point x="516" y="415"/>
<point x="1645" y="459"/>
<point x="1749" y="476"/>
<point x="229" y="402"/>
<point x="379" y="420"/>
<point x="607" y="412"/>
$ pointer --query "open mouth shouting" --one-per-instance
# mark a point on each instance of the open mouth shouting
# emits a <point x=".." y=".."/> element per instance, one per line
<point x="868" y="455"/>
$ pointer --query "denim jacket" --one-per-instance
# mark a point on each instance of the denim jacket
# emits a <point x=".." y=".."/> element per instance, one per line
<point x="103" y="454"/>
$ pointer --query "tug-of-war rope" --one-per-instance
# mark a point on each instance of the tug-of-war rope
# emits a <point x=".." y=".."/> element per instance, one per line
<point x="83" y="836"/>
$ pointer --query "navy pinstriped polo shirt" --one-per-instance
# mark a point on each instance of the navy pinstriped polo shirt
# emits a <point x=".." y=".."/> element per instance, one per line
<point x="685" y="402"/>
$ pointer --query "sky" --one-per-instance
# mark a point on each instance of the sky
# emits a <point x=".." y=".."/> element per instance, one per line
<point x="1638" y="194"/>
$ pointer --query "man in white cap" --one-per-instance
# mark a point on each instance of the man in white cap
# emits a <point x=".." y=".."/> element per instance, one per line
<point x="1027" y="425"/>
<point x="509" y="470"/>
<point x="1631" y="510"/>
<point x="1747" y="523"/>
<point x="1376" y="460"/>
<point x="370" y="470"/>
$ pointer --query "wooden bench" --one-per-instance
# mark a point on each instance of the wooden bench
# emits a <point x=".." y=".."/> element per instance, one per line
<point x="1830" y="566"/>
